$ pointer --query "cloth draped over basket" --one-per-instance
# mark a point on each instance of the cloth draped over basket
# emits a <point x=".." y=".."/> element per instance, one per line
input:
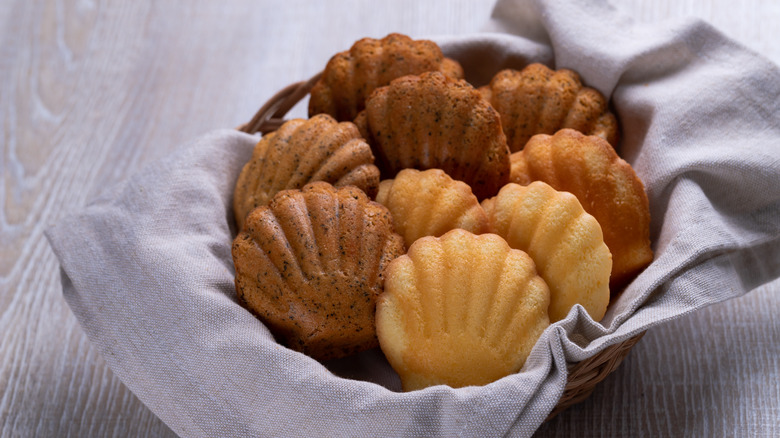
<point x="147" y="269"/>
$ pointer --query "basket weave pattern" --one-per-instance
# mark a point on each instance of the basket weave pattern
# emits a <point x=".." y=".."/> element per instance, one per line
<point x="583" y="376"/>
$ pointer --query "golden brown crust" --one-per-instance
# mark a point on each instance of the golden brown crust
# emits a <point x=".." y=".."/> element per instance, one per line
<point x="303" y="151"/>
<point x="606" y="186"/>
<point x="538" y="100"/>
<point x="351" y="76"/>
<point x="430" y="121"/>
<point x="310" y="266"/>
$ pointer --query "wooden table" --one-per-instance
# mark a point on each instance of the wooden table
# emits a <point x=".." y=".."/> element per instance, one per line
<point x="91" y="91"/>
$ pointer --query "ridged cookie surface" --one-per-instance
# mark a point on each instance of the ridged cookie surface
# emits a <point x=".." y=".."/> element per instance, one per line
<point x="430" y="203"/>
<point x="538" y="100"/>
<point x="460" y="310"/>
<point x="433" y="122"/>
<point x="300" y="152"/>
<point x="564" y="241"/>
<point x="606" y="186"/>
<point x="310" y="266"/>
<point x="351" y="76"/>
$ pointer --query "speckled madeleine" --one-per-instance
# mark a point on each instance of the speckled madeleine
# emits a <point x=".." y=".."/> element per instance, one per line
<point x="606" y="186"/>
<point x="351" y="76"/>
<point x="430" y="121"/>
<point x="303" y="151"/>
<point x="564" y="241"/>
<point x="537" y="100"/>
<point x="310" y="266"/>
<point x="430" y="203"/>
<point x="460" y="310"/>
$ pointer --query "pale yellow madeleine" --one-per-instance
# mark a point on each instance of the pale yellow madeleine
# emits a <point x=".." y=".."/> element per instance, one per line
<point x="430" y="203"/>
<point x="564" y="241"/>
<point x="460" y="310"/>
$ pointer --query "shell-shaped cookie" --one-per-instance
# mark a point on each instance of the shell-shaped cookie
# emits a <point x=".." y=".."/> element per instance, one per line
<point x="430" y="203"/>
<point x="300" y="152"/>
<point x="433" y="122"/>
<point x="537" y="100"/>
<point x="606" y="186"/>
<point x="564" y="241"/>
<point x="460" y="310"/>
<point x="310" y="266"/>
<point x="351" y="76"/>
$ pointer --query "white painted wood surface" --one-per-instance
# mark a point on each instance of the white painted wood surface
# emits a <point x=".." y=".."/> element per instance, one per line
<point x="90" y="91"/>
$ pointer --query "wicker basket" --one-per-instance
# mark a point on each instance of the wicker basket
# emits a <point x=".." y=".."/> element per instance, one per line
<point x="583" y="376"/>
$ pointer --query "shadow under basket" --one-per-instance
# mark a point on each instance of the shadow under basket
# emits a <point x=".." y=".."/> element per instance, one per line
<point x="583" y="376"/>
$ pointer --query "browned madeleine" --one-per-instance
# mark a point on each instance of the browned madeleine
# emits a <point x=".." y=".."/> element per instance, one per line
<point x="303" y="151"/>
<point x="538" y="100"/>
<point x="351" y="76"/>
<point x="606" y="186"/>
<point x="433" y="122"/>
<point x="310" y="266"/>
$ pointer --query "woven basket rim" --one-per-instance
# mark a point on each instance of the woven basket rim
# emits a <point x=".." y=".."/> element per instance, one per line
<point x="583" y="376"/>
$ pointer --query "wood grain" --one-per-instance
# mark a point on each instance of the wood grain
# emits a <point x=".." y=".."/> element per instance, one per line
<point x="711" y="373"/>
<point x="90" y="91"/>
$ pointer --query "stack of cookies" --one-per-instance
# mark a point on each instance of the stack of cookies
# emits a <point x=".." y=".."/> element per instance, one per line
<point x="447" y="224"/>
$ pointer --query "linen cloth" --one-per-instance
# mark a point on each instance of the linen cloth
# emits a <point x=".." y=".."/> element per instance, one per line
<point x="147" y="270"/>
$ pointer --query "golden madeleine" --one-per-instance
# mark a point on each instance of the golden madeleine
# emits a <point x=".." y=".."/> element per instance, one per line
<point x="538" y="100"/>
<point x="433" y="122"/>
<point x="460" y="310"/>
<point x="310" y="265"/>
<point x="430" y="203"/>
<point x="300" y="152"/>
<point x="606" y="186"/>
<point x="351" y="76"/>
<point x="564" y="241"/>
